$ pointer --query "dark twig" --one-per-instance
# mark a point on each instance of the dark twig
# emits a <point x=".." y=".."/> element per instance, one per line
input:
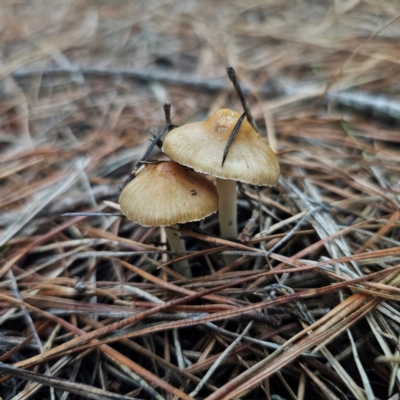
<point x="154" y="142"/>
<point x="233" y="78"/>
<point x="232" y="137"/>
<point x="130" y="178"/>
<point x="167" y="112"/>
<point x="157" y="139"/>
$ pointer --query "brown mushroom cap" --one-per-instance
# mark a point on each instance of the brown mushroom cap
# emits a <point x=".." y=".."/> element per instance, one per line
<point x="167" y="193"/>
<point x="201" y="145"/>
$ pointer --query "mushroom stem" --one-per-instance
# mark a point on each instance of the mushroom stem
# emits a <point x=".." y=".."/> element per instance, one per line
<point x="177" y="244"/>
<point x="227" y="208"/>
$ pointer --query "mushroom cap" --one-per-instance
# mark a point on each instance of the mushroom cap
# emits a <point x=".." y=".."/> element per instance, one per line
<point x="201" y="145"/>
<point x="167" y="193"/>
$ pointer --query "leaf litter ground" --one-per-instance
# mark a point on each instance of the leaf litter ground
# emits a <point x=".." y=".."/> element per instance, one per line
<point x="309" y="308"/>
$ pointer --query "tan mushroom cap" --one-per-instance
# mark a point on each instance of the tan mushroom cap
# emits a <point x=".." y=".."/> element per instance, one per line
<point x="201" y="145"/>
<point x="167" y="193"/>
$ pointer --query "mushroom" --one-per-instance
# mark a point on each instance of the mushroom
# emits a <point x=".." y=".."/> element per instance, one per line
<point x="201" y="145"/>
<point x="165" y="194"/>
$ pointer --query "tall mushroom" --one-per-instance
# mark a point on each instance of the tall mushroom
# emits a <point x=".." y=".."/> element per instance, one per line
<point x="200" y="145"/>
<point x="165" y="194"/>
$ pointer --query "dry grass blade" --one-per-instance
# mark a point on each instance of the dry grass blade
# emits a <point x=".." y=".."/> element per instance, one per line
<point x="324" y="389"/>
<point x="35" y="207"/>
<point x="219" y="360"/>
<point x="95" y="298"/>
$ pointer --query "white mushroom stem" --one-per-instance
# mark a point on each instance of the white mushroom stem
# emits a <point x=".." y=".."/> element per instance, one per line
<point x="177" y="244"/>
<point x="227" y="208"/>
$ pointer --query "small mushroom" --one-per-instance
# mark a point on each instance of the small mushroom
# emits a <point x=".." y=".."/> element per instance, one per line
<point x="161" y="194"/>
<point x="201" y="146"/>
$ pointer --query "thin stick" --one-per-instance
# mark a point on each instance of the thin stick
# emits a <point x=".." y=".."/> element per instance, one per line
<point x="90" y="214"/>
<point x="233" y="78"/>
<point x="232" y="137"/>
<point x="146" y="155"/>
<point x="154" y="142"/>
<point x="219" y="360"/>
<point x="167" y="112"/>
